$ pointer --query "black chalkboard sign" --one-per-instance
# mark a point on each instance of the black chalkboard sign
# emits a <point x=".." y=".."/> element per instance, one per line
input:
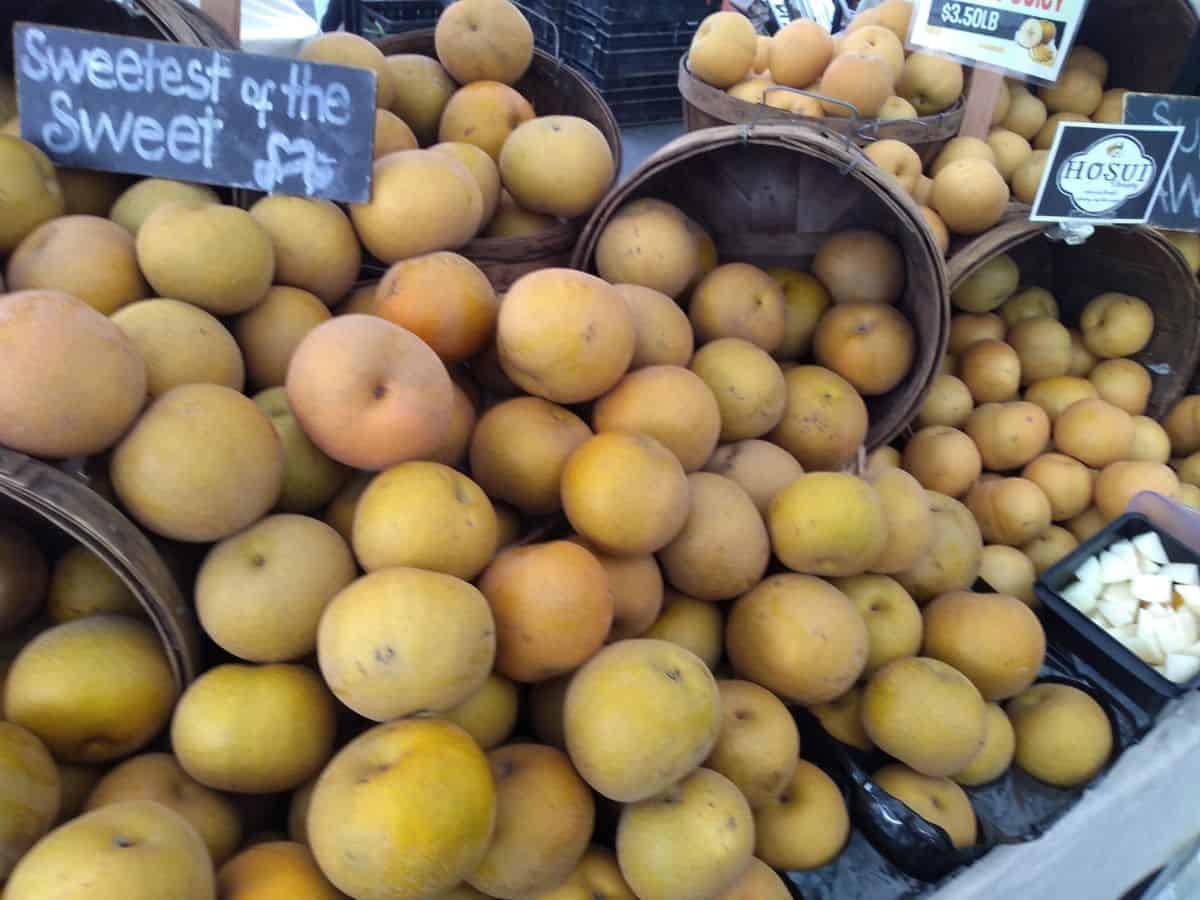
<point x="1177" y="204"/>
<point x="101" y="101"/>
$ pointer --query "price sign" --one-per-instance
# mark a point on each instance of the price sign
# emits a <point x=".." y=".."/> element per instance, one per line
<point x="118" y="104"/>
<point x="1177" y="204"/>
<point x="1104" y="174"/>
<point x="1026" y="38"/>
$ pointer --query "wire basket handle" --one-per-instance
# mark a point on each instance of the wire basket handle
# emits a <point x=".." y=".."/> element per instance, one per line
<point x="541" y="16"/>
<point x="869" y="130"/>
<point x="855" y="118"/>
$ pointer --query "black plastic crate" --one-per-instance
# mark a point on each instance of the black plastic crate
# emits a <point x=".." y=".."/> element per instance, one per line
<point x="647" y="111"/>
<point x="547" y="30"/>
<point x="641" y="93"/>
<point x="604" y="64"/>
<point x="667" y="81"/>
<point x="628" y="36"/>
<point x="546" y="18"/>
<point x="1110" y="654"/>
<point x="376" y="17"/>
<point x="620" y="12"/>
<point x="552" y="9"/>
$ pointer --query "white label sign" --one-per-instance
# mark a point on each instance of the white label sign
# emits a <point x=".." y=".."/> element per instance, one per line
<point x="1104" y="174"/>
<point x="1026" y="38"/>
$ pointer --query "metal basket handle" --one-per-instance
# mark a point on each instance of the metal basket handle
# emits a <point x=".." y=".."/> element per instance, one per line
<point x="856" y="122"/>
<point x="530" y="11"/>
<point x="855" y="118"/>
<point x="869" y="129"/>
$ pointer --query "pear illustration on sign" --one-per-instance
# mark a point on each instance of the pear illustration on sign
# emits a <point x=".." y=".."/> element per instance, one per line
<point x="1107" y="175"/>
<point x="287" y="158"/>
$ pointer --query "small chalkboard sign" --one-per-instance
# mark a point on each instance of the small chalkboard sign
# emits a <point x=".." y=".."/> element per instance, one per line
<point x="1104" y="174"/>
<point x="1177" y="203"/>
<point x="119" y="104"/>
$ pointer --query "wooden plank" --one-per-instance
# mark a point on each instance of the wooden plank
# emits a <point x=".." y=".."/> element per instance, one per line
<point x="227" y="14"/>
<point x="981" y="103"/>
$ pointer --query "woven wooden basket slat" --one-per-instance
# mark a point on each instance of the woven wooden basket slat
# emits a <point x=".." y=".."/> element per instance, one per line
<point x="705" y="106"/>
<point x="1131" y="260"/>
<point x="553" y="88"/>
<point x="770" y="195"/>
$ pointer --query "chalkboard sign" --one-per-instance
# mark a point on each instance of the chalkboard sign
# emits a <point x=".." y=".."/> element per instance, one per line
<point x="118" y="104"/>
<point x="1177" y="204"/>
<point x="1104" y="174"/>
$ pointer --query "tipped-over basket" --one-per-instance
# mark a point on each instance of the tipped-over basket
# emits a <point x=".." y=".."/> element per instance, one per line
<point x="553" y="88"/>
<point x="1130" y="260"/>
<point x="770" y="195"/>
<point x="47" y="499"/>
<point x="705" y="106"/>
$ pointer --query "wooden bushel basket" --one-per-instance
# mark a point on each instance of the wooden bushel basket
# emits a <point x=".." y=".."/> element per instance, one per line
<point x="705" y="106"/>
<point x="1144" y="43"/>
<point x="1131" y="260"/>
<point x="553" y="88"/>
<point x="36" y="492"/>
<point x="770" y="195"/>
<point x="162" y="20"/>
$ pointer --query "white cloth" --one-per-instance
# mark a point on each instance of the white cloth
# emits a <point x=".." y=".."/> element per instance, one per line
<point x="274" y="27"/>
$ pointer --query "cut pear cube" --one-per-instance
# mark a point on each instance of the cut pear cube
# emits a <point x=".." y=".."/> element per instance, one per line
<point x="1173" y="635"/>
<point x="1180" y="668"/>
<point x="1153" y="589"/>
<point x="1181" y="573"/>
<point x="1148" y="566"/>
<point x="1082" y="595"/>
<point x="1125" y="550"/>
<point x="1122" y="591"/>
<point x="1193" y="650"/>
<point x="1114" y="568"/>
<point x="1150" y="546"/>
<point x="1117" y="634"/>
<point x="1145" y="651"/>
<point x="1190" y="595"/>
<point x="1089" y="573"/>
<point x="1147" y="631"/>
<point x="1188" y="625"/>
<point x="1128" y="631"/>
<point x="1118" y="607"/>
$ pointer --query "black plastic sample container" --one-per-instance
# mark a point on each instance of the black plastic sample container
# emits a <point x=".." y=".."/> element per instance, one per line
<point x="1105" y="652"/>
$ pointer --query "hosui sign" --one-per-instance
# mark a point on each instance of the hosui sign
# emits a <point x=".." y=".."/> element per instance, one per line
<point x="99" y="101"/>
<point x="1104" y="173"/>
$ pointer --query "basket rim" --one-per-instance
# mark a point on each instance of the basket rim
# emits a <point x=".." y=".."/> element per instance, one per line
<point x="695" y="92"/>
<point x="612" y="131"/>
<point x="162" y="12"/>
<point x="822" y="144"/>
<point x="1016" y="229"/>
<point x="74" y="509"/>
<point x="562" y="237"/>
